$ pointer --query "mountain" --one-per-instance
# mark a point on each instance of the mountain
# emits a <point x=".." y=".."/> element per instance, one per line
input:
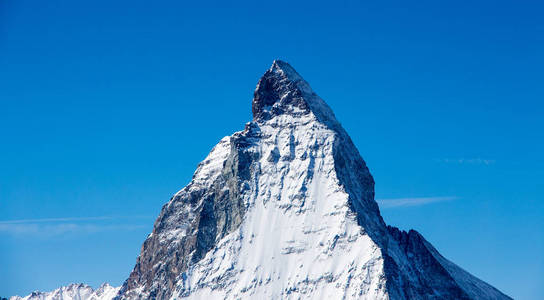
<point x="285" y="210"/>
<point x="75" y="291"/>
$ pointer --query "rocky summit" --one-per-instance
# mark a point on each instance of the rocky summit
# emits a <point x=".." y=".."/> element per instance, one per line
<point x="285" y="209"/>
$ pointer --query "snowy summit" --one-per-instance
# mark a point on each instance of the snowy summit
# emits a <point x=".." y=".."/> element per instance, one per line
<point x="285" y="209"/>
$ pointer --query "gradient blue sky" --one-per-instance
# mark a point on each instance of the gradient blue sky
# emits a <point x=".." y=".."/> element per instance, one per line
<point x="106" y="109"/>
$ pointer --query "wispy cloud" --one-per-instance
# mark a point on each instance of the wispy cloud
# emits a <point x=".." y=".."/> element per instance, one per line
<point x="64" y="228"/>
<point x="403" y="202"/>
<point x="77" y="219"/>
<point x="49" y="227"/>
<point x="468" y="161"/>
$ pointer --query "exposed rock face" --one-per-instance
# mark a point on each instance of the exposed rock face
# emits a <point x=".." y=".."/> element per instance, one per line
<point x="285" y="210"/>
<point x="195" y="218"/>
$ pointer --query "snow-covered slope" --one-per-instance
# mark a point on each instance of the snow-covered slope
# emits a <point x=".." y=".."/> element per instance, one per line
<point x="285" y="210"/>
<point x="74" y="292"/>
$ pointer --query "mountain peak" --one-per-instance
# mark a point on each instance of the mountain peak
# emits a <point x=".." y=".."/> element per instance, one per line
<point x="281" y="90"/>
<point x="286" y="70"/>
<point x="285" y="210"/>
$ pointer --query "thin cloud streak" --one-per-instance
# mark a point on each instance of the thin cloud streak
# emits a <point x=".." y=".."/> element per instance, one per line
<point x="405" y="202"/>
<point x="80" y="219"/>
<point x="49" y="227"/>
<point x="49" y="230"/>
<point x="467" y="161"/>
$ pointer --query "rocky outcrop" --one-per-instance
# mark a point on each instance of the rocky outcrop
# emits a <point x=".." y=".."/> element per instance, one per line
<point x="193" y="221"/>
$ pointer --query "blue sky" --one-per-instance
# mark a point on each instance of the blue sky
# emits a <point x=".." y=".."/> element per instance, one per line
<point x="107" y="108"/>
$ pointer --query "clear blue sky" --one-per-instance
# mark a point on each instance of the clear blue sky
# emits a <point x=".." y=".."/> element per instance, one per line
<point x="106" y="109"/>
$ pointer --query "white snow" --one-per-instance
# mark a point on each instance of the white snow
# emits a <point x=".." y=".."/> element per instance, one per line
<point x="74" y="292"/>
<point x="299" y="238"/>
